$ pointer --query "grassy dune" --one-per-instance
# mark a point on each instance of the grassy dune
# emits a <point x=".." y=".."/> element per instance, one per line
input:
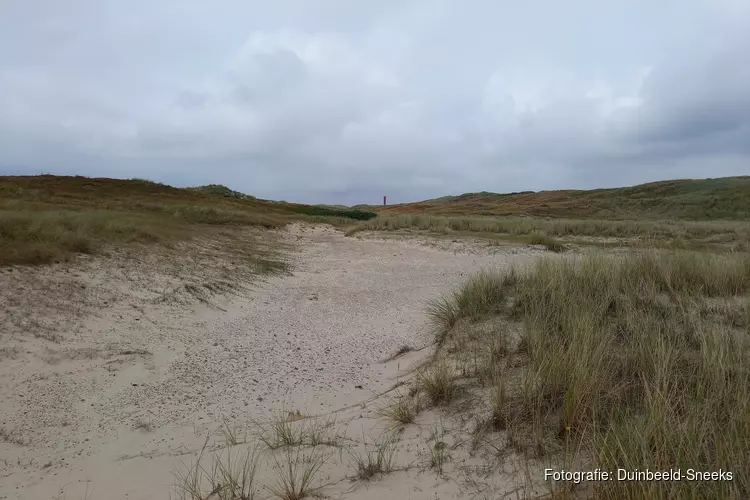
<point x="533" y="230"/>
<point x="635" y="362"/>
<point x="723" y="198"/>
<point x="46" y="219"/>
<point x="695" y="214"/>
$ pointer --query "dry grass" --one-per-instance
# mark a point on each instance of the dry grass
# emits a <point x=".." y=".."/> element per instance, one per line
<point x="629" y="362"/>
<point x="437" y="382"/>
<point x="693" y="199"/>
<point x="547" y="242"/>
<point x="232" y="434"/>
<point x="230" y="476"/>
<point x="378" y="457"/>
<point x="290" y="428"/>
<point x="401" y="412"/>
<point x="46" y="219"/>
<point x="296" y="472"/>
<point x="481" y="295"/>
<point x="439" y="451"/>
<point x="281" y="430"/>
<point x="673" y="233"/>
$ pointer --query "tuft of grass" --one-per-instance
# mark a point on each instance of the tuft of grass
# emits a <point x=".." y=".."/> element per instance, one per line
<point x="230" y="477"/>
<point x="401" y="412"/>
<point x="291" y="428"/>
<point x="439" y="452"/>
<point x="232" y="434"/>
<point x="438" y="383"/>
<point x="379" y="457"/>
<point x="296" y="472"/>
<point x="548" y="242"/>
<point x="282" y="430"/>
<point x="499" y="404"/>
<point x="481" y="295"/>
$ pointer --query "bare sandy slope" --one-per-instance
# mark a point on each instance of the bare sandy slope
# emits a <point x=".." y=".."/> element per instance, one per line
<point x="113" y="371"/>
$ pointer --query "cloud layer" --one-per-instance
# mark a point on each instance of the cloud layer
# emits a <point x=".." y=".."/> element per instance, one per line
<point x="325" y="101"/>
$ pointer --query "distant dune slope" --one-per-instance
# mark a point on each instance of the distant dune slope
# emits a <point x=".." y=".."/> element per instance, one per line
<point x="723" y="198"/>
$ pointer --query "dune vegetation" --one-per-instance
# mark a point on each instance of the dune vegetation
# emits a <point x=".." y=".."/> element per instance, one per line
<point x="632" y="362"/>
<point x="46" y="218"/>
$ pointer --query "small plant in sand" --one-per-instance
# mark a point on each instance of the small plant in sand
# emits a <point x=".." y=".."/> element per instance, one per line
<point x="499" y="401"/>
<point x="403" y="349"/>
<point x="232" y="434"/>
<point x="291" y="428"/>
<point x="401" y="412"/>
<point x="377" y="458"/>
<point x="228" y="478"/>
<point x="321" y="432"/>
<point x="296" y="471"/>
<point x="437" y="383"/>
<point x="282" y="429"/>
<point x="439" y="451"/>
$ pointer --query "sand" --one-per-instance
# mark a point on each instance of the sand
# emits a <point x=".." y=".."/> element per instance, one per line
<point x="113" y="371"/>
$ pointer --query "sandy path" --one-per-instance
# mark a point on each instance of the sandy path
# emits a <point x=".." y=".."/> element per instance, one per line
<point x="112" y="407"/>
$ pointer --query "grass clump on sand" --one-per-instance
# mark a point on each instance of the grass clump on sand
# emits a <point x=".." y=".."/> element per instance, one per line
<point x="437" y="382"/>
<point x="378" y="457"/>
<point x="291" y="428"/>
<point x="547" y="242"/>
<point x="639" y="361"/>
<point x="296" y="471"/>
<point x="483" y="294"/>
<point x="401" y="412"/>
<point x="230" y="477"/>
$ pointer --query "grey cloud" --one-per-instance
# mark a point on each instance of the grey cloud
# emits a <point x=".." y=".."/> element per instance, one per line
<point x="324" y="102"/>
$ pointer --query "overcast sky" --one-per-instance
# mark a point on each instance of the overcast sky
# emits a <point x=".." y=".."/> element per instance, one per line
<point x="343" y="101"/>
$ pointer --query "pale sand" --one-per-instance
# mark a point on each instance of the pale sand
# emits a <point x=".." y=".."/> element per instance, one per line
<point x="141" y="367"/>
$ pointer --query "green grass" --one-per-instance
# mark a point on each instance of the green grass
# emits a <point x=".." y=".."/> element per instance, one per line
<point x="481" y="295"/>
<point x="45" y="219"/>
<point x="640" y="361"/>
<point x="524" y="226"/>
<point x="547" y="242"/>
<point x="218" y="189"/>
<point x="316" y="210"/>
<point x="48" y="236"/>
<point x="703" y="199"/>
